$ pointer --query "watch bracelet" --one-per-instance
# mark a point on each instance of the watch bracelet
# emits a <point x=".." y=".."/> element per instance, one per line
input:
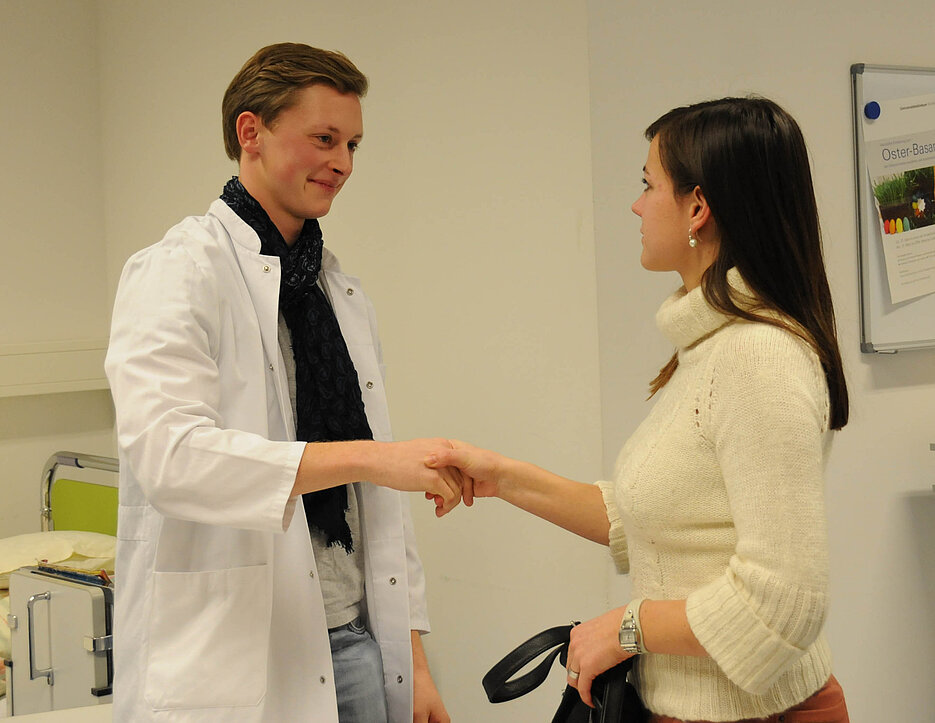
<point x="632" y="612"/>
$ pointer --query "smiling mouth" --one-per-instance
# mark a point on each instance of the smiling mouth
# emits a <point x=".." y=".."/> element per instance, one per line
<point x="323" y="184"/>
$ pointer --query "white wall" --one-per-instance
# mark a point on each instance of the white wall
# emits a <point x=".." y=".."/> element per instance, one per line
<point x="648" y="58"/>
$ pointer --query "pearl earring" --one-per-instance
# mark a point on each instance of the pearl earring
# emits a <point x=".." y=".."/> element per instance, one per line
<point x="692" y="241"/>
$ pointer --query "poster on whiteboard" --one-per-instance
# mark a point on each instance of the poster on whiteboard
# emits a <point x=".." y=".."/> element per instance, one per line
<point x="900" y="157"/>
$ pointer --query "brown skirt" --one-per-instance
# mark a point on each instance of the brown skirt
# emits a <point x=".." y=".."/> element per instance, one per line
<point x="825" y="706"/>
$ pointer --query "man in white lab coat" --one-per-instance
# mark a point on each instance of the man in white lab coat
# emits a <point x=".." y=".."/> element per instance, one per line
<point x="260" y="578"/>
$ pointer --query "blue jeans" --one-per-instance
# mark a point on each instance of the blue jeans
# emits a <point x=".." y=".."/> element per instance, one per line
<point x="358" y="674"/>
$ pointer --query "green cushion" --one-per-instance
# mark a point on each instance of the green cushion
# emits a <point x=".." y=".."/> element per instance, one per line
<point x="84" y="506"/>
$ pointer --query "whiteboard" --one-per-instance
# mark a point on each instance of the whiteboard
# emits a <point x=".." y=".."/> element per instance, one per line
<point x="885" y="327"/>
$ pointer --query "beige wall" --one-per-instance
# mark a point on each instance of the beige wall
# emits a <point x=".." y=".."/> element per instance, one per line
<point x="51" y="201"/>
<point x="648" y="58"/>
<point x="470" y="220"/>
<point x="54" y="284"/>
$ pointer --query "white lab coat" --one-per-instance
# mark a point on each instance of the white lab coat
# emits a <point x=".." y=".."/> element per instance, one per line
<point x="219" y="613"/>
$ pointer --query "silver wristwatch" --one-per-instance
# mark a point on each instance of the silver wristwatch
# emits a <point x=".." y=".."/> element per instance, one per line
<point x="631" y="635"/>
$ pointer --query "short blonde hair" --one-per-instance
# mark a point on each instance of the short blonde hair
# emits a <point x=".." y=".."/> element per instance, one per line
<point x="268" y="82"/>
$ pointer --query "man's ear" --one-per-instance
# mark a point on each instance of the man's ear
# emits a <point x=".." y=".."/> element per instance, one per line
<point x="248" y="132"/>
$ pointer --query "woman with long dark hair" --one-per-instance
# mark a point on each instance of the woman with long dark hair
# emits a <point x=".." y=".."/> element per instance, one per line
<point x="716" y="508"/>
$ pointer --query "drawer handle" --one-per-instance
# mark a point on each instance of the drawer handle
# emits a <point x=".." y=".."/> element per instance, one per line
<point x="33" y="673"/>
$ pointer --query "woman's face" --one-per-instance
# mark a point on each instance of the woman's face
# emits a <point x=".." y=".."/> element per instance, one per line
<point x="666" y="219"/>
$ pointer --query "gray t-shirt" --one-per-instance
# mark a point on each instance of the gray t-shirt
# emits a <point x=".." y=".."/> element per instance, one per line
<point x="340" y="574"/>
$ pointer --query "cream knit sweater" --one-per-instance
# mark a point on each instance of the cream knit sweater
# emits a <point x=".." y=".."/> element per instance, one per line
<point x="718" y="498"/>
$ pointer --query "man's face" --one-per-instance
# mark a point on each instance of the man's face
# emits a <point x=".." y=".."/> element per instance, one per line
<point x="306" y="155"/>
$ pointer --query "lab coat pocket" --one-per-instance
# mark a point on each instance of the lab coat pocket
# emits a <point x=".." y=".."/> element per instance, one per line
<point x="136" y="523"/>
<point x="213" y="623"/>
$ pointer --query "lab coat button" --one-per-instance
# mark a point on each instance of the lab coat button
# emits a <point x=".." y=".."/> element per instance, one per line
<point x="350" y="292"/>
<point x="399" y="679"/>
<point x="322" y="679"/>
<point x="311" y="573"/>
<point x="266" y="268"/>
<point x="271" y="367"/>
<point x="369" y="385"/>
<point x="392" y="581"/>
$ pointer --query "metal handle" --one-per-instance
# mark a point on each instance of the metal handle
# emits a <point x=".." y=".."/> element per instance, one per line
<point x="33" y="673"/>
<point x="68" y="459"/>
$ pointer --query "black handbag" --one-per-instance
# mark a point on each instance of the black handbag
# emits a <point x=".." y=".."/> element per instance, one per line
<point x="615" y="699"/>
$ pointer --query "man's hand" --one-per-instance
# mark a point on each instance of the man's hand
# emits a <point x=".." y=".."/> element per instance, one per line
<point x="397" y="465"/>
<point x="403" y="468"/>
<point x="427" y="703"/>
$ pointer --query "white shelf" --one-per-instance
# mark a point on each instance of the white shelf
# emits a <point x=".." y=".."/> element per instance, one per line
<point x="88" y="714"/>
<point x="52" y="367"/>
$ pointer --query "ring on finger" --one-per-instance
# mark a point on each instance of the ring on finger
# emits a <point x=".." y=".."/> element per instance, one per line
<point x="573" y="674"/>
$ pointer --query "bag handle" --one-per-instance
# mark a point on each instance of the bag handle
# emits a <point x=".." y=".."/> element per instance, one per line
<point x="497" y="683"/>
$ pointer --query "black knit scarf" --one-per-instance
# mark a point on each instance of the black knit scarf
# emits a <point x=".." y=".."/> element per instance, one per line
<point x="328" y="402"/>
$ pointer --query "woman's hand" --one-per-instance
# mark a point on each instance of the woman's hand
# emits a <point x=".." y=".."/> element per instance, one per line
<point x="575" y="506"/>
<point x="481" y="470"/>
<point x="594" y="648"/>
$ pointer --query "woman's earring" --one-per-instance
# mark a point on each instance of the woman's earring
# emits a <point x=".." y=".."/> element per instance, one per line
<point x="692" y="241"/>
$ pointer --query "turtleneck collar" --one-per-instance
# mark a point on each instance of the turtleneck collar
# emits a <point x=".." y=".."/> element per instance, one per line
<point x="686" y="317"/>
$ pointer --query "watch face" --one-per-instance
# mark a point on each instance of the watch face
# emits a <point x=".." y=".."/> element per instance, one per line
<point x="628" y="635"/>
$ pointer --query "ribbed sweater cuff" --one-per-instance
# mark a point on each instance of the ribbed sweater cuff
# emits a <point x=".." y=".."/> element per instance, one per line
<point x="739" y="628"/>
<point x="618" y="539"/>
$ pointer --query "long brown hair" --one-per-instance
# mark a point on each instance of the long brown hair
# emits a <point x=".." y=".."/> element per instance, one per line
<point x="749" y="158"/>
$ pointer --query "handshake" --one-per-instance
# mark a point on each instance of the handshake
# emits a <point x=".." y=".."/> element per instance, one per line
<point x="446" y="471"/>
